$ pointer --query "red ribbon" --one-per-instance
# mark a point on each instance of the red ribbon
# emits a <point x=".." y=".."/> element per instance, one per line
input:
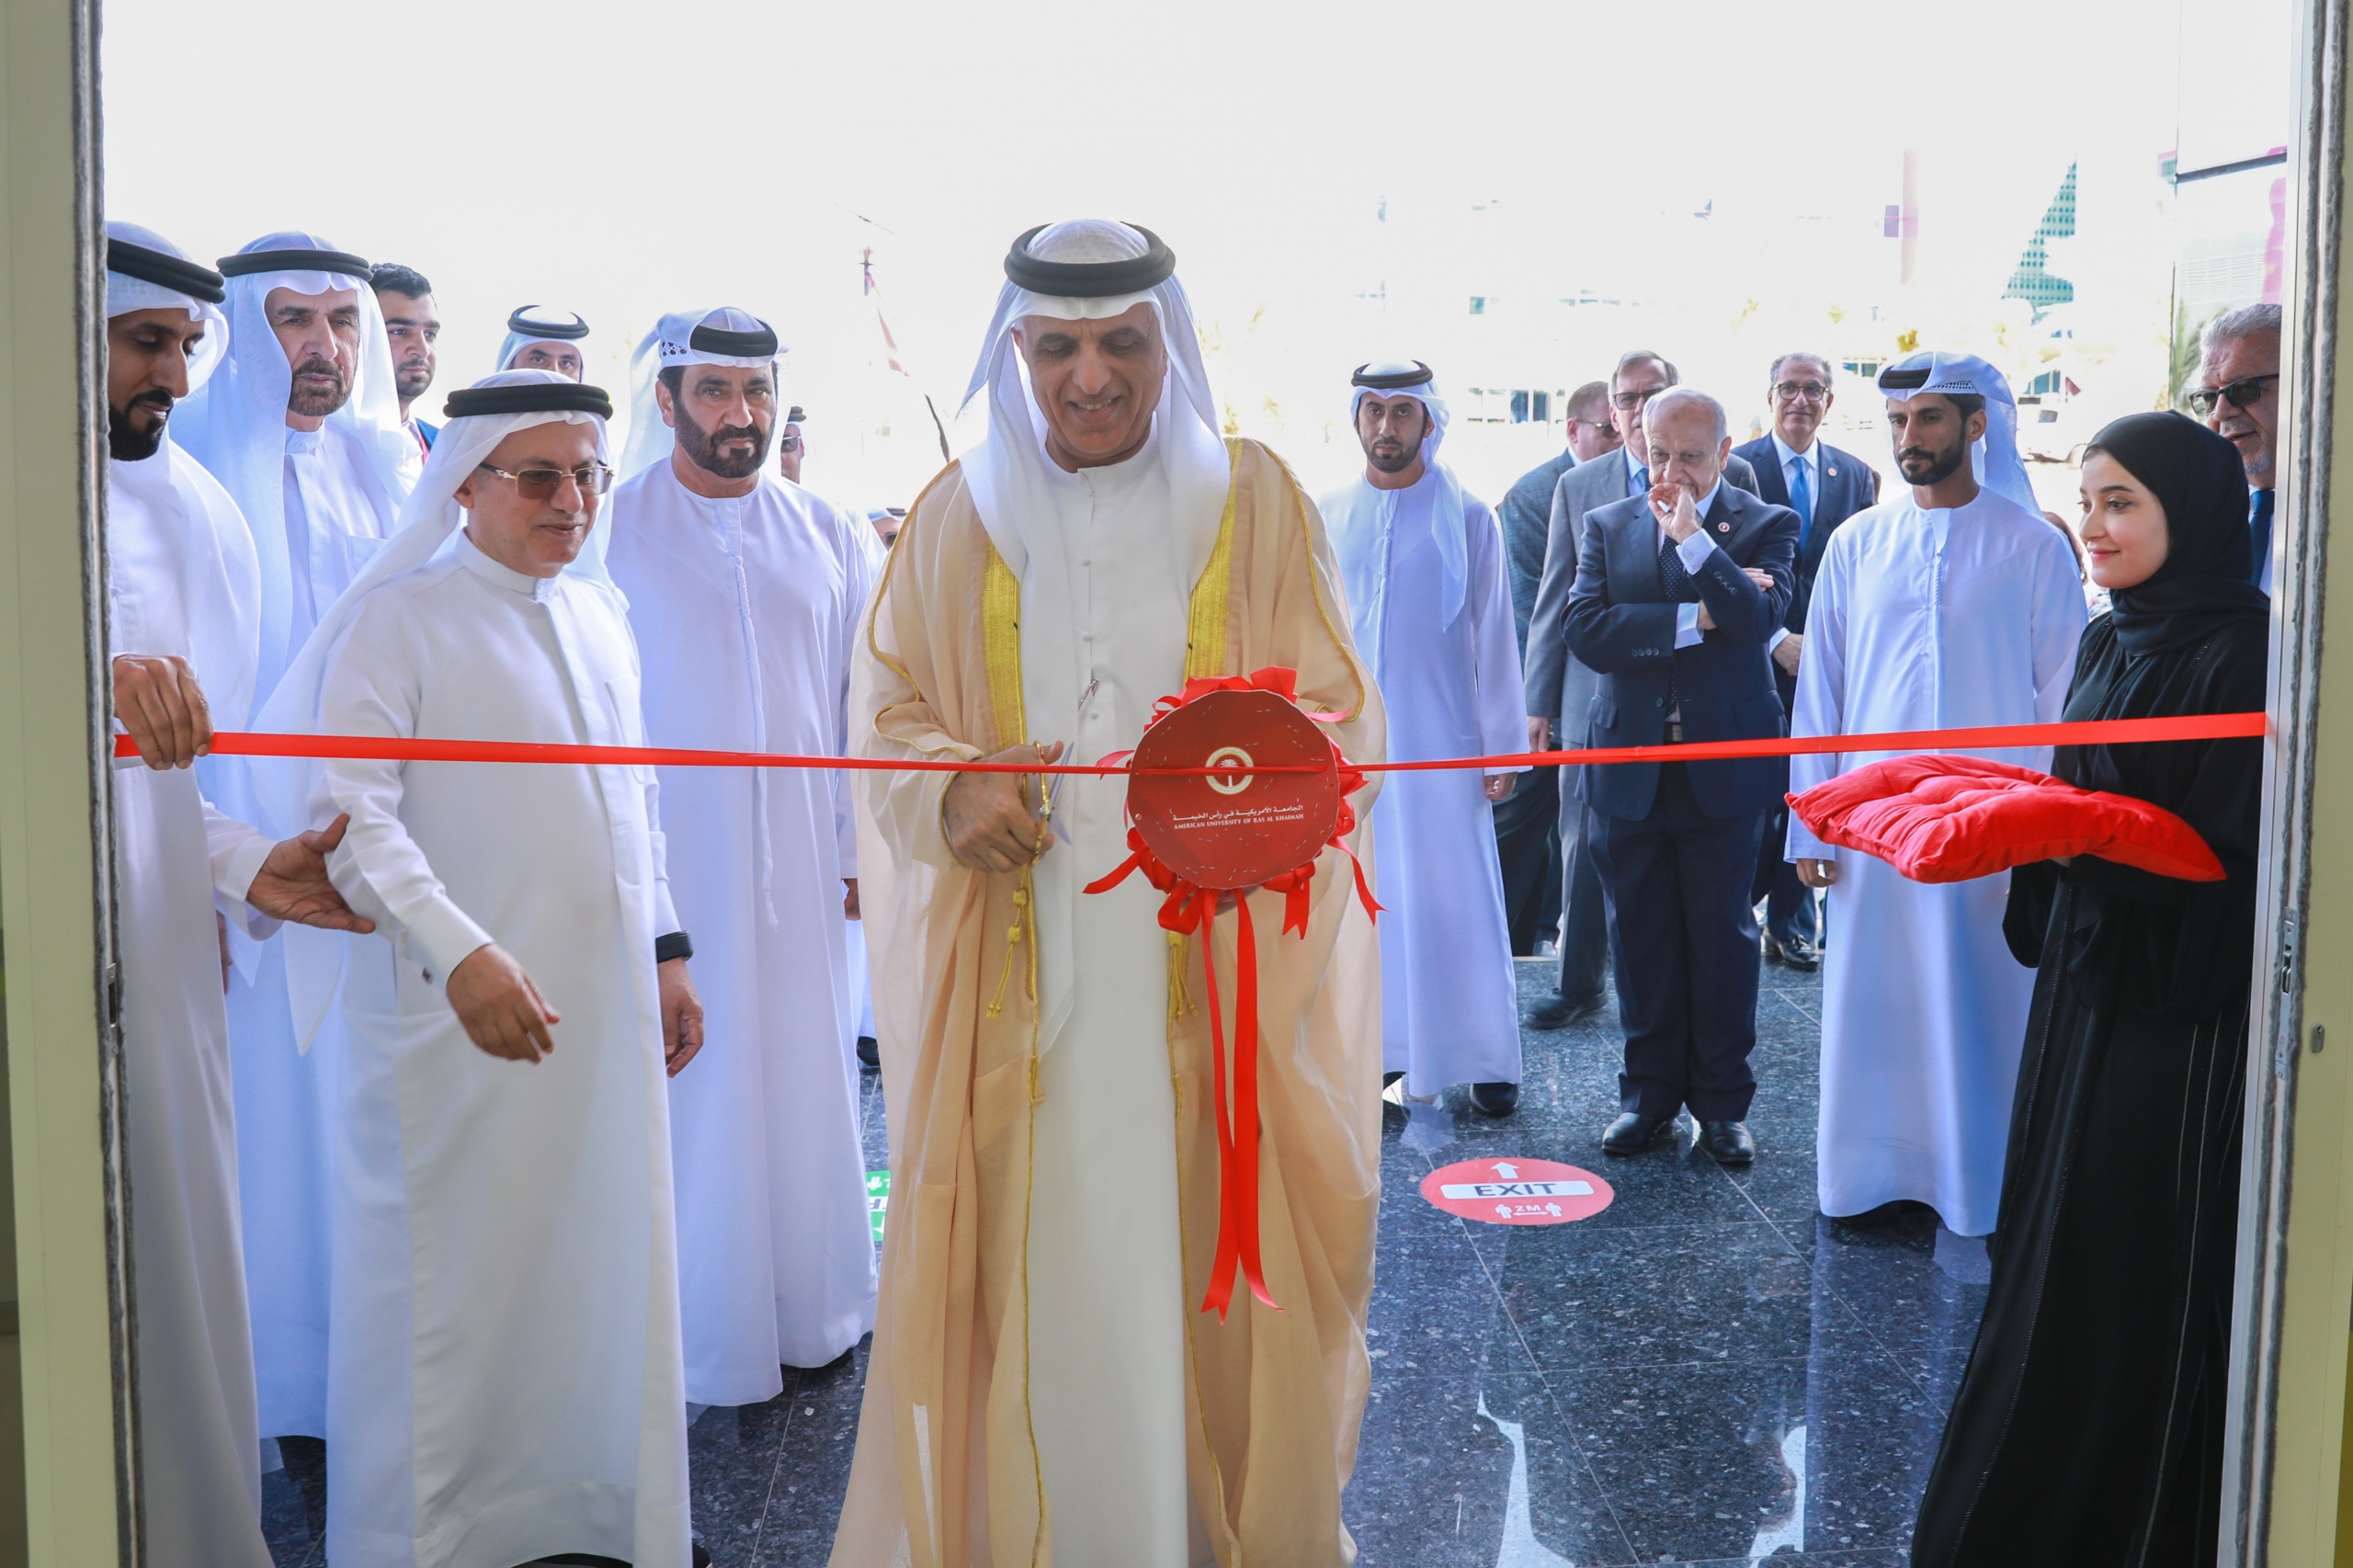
<point x="406" y="748"/>
<point x="1188" y="910"/>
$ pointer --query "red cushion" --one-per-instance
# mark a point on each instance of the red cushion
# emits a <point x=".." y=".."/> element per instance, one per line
<point x="1947" y="819"/>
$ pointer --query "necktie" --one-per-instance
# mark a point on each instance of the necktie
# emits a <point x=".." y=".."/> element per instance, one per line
<point x="1642" y="482"/>
<point x="1681" y="590"/>
<point x="1802" y="502"/>
<point x="1678" y="581"/>
<point x="2258" y="527"/>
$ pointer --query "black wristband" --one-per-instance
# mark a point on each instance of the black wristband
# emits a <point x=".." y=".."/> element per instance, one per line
<point x="676" y="945"/>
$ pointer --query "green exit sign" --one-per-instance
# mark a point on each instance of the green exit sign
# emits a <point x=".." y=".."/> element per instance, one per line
<point x="878" y="1199"/>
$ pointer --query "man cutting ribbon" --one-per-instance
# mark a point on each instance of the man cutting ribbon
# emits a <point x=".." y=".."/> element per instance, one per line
<point x="1041" y="1371"/>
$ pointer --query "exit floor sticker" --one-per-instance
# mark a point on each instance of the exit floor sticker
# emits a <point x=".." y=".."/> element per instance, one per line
<point x="1515" y="1192"/>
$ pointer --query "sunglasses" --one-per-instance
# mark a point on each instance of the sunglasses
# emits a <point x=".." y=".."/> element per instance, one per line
<point x="2245" y="392"/>
<point x="540" y="483"/>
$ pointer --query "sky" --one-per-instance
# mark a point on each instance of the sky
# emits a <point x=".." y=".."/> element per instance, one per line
<point x="1337" y="183"/>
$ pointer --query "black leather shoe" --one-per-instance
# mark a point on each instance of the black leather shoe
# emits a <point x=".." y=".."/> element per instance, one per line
<point x="1557" y="1012"/>
<point x="1631" y="1134"/>
<point x="1797" y="952"/>
<point x="1389" y="1081"/>
<point x="1728" y="1142"/>
<point x="869" y="1053"/>
<point x="1494" y="1099"/>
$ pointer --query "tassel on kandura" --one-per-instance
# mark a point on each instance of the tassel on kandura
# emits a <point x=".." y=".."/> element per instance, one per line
<point x="1180" y="1002"/>
<point x="1012" y="947"/>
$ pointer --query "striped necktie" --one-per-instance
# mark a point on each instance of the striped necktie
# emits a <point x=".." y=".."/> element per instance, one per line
<point x="1802" y="501"/>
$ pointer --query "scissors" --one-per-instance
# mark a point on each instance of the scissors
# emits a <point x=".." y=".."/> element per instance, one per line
<point x="1053" y="781"/>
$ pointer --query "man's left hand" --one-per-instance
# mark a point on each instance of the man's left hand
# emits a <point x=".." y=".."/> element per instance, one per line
<point x="681" y="1016"/>
<point x="293" y="883"/>
<point x="1787" y="652"/>
<point x="849" y="898"/>
<point x="1501" y="785"/>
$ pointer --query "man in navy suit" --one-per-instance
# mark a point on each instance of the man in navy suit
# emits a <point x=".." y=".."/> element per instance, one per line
<point x="1677" y="593"/>
<point x="1560" y="688"/>
<point x="1825" y="487"/>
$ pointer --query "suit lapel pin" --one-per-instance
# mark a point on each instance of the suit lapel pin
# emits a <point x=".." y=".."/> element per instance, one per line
<point x="1831" y="471"/>
<point x="1724" y="528"/>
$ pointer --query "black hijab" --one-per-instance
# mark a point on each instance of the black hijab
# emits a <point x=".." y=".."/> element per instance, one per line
<point x="2196" y="476"/>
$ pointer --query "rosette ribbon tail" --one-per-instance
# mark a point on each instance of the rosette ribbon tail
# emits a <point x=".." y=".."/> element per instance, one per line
<point x="1237" y="1127"/>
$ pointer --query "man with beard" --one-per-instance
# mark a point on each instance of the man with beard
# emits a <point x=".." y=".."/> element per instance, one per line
<point x="301" y="427"/>
<point x="1955" y="605"/>
<point x="183" y="592"/>
<point x="744" y="592"/>
<point x="412" y="327"/>
<point x="1422" y="563"/>
<point x="539" y="337"/>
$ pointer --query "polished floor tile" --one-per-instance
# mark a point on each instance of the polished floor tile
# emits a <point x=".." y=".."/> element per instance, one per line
<point x="1706" y="1372"/>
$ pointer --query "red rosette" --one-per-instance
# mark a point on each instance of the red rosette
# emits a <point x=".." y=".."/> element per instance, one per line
<point x="1276" y="802"/>
<point x="1234" y="831"/>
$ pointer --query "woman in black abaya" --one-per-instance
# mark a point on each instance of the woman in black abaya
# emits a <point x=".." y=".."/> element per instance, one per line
<point x="2088" y="1427"/>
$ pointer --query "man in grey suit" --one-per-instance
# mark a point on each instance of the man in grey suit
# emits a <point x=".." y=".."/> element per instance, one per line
<point x="1560" y="688"/>
<point x="1527" y="832"/>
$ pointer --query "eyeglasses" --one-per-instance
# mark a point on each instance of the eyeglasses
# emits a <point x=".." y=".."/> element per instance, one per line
<point x="2245" y="392"/>
<point x="1790" y="391"/>
<point x="540" y="484"/>
<point x="1630" y="401"/>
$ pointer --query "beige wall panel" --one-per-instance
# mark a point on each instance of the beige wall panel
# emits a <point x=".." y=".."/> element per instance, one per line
<point x="51" y="941"/>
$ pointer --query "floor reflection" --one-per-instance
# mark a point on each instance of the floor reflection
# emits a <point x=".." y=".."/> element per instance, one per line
<point x="1786" y="1530"/>
<point x="1706" y="1372"/>
<point x="1520" y="1547"/>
